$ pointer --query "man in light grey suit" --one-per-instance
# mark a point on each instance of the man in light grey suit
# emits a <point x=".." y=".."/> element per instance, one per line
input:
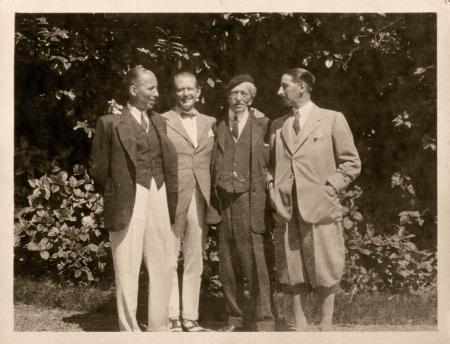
<point x="313" y="159"/>
<point x="191" y="134"/>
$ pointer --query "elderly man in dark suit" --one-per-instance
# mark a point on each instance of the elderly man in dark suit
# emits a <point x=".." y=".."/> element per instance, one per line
<point x="240" y="165"/>
<point x="134" y="166"/>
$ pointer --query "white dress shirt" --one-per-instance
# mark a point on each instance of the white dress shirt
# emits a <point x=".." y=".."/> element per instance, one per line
<point x="136" y="113"/>
<point x="304" y="112"/>
<point x="189" y="123"/>
<point x="242" y="120"/>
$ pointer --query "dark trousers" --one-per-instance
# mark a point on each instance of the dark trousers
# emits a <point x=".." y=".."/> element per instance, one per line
<point x="242" y="266"/>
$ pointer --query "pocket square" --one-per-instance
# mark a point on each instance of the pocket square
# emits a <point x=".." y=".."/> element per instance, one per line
<point x="317" y="136"/>
<point x="210" y="133"/>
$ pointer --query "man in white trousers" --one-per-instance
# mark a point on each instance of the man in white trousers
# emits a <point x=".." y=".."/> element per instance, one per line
<point x="134" y="166"/>
<point x="191" y="134"/>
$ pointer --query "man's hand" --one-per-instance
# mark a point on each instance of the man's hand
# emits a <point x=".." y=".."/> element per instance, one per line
<point x="331" y="191"/>
<point x="114" y="108"/>
<point x="257" y="113"/>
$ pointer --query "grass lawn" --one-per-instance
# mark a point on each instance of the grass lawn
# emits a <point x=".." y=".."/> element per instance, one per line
<point x="45" y="306"/>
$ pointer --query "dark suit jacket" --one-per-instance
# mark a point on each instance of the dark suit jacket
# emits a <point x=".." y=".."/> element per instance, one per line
<point x="112" y="165"/>
<point x="258" y="166"/>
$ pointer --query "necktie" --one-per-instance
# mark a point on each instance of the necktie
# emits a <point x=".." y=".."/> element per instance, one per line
<point x="235" y="127"/>
<point x="187" y="114"/>
<point x="296" y="125"/>
<point x="143" y="122"/>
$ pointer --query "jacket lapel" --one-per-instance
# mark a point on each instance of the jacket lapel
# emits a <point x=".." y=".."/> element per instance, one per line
<point x="126" y="129"/>
<point x="311" y="124"/>
<point x="286" y="136"/>
<point x="221" y="131"/>
<point x="201" y="130"/>
<point x="175" y="123"/>
<point x="256" y="131"/>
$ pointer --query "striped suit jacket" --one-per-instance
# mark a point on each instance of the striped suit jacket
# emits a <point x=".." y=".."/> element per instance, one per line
<point x="112" y="162"/>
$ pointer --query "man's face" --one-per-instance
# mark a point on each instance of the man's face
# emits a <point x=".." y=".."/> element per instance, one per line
<point x="239" y="98"/>
<point x="144" y="92"/>
<point x="290" y="92"/>
<point x="186" y="92"/>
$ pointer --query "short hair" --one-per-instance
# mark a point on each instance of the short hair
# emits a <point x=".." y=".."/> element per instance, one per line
<point x="185" y="73"/>
<point x="302" y="75"/>
<point x="133" y="74"/>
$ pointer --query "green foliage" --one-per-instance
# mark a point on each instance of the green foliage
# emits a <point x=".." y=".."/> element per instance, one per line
<point x="388" y="263"/>
<point x="211" y="284"/>
<point x="384" y="262"/>
<point x="61" y="231"/>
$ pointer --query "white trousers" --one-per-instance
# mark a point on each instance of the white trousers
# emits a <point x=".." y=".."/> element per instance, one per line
<point x="147" y="236"/>
<point x="191" y="242"/>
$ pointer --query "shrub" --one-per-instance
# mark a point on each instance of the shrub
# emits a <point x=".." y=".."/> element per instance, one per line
<point x="384" y="262"/>
<point x="61" y="232"/>
<point x="211" y="283"/>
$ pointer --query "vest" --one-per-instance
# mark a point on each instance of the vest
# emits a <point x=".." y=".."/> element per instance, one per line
<point x="148" y="157"/>
<point x="235" y="174"/>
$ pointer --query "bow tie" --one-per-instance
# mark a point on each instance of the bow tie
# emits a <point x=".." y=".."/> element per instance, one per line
<point x="187" y="114"/>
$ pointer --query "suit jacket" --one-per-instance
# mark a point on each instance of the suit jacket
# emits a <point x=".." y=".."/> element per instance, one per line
<point x="325" y="153"/>
<point x="193" y="162"/>
<point x="259" y="166"/>
<point x="112" y="165"/>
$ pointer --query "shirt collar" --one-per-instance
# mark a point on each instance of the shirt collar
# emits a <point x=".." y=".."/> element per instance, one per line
<point x="305" y="109"/>
<point x="241" y="116"/>
<point x="135" y="111"/>
<point x="179" y="111"/>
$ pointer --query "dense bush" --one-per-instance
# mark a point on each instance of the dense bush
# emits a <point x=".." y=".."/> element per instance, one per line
<point x="60" y="233"/>
<point x="389" y="261"/>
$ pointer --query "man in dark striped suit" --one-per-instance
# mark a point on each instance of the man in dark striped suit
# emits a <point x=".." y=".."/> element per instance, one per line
<point x="134" y="166"/>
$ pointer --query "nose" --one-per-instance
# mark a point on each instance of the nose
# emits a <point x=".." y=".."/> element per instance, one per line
<point x="156" y="93"/>
<point x="280" y="91"/>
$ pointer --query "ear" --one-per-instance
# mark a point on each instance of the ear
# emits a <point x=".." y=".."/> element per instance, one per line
<point x="132" y="90"/>
<point x="198" y="93"/>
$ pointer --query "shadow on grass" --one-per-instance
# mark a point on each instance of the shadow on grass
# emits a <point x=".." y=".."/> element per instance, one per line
<point x="104" y="318"/>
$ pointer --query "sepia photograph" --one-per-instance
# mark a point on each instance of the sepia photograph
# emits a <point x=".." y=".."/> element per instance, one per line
<point x="226" y="171"/>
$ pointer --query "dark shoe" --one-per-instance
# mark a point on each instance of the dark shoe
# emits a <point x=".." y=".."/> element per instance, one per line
<point x="231" y="328"/>
<point x="192" y="326"/>
<point x="175" y="325"/>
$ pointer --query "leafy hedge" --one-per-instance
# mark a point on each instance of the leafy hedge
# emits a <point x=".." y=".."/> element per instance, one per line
<point x="61" y="234"/>
<point x="384" y="262"/>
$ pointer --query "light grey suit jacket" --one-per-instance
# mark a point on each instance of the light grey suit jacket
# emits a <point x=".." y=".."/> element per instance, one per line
<point x="323" y="153"/>
<point x="193" y="162"/>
